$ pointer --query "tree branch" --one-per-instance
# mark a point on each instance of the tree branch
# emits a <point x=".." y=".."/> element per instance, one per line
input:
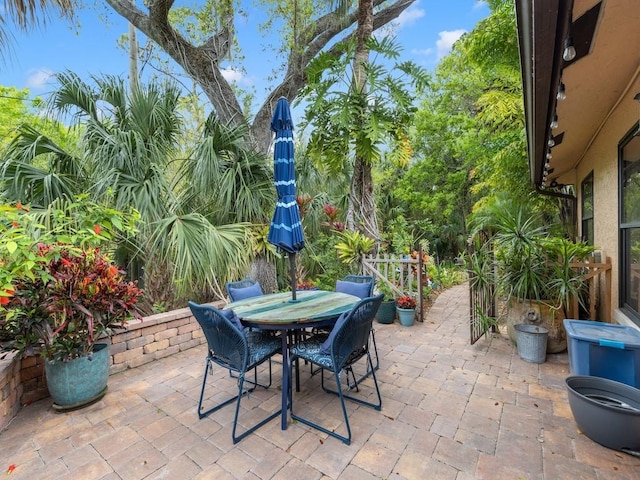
<point x="322" y="32"/>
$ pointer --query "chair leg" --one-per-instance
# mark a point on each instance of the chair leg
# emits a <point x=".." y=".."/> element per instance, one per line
<point x="372" y="372"/>
<point x="237" y="438"/>
<point x="345" y="439"/>
<point x="241" y="379"/>
<point x="254" y="382"/>
<point x="375" y="366"/>
<point x="241" y="392"/>
<point x="201" y="414"/>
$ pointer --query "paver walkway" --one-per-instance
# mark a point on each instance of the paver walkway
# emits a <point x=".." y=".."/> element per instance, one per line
<point x="450" y="411"/>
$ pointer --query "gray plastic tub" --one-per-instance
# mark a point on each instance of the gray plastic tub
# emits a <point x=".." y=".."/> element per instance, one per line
<point x="606" y="411"/>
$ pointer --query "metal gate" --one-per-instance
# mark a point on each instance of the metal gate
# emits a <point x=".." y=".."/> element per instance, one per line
<point x="482" y="294"/>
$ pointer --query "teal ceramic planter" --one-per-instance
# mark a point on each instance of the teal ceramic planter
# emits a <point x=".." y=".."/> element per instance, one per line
<point x="386" y="312"/>
<point x="80" y="381"/>
<point x="406" y="316"/>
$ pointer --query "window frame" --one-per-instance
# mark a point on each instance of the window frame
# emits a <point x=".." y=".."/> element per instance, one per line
<point x="624" y="232"/>
<point x="584" y="218"/>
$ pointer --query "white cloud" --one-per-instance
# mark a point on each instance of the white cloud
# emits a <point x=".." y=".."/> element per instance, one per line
<point x="37" y="78"/>
<point x="232" y="75"/>
<point x="237" y="76"/>
<point x="446" y="40"/>
<point x="408" y="17"/>
<point x="480" y="4"/>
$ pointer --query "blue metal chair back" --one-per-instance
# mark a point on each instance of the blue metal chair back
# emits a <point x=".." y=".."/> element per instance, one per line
<point x="352" y="339"/>
<point x="362" y="279"/>
<point x="372" y="283"/>
<point x="228" y="346"/>
<point x="255" y="287"/>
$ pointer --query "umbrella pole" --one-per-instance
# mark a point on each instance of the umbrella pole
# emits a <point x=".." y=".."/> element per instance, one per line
<point x="292" y="266"/>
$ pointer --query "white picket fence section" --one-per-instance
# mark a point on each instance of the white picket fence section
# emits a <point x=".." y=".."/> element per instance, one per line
<point x="402" y="274"/>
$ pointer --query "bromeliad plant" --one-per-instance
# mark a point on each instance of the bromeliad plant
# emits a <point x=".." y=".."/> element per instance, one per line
<point x="60" y="292"/>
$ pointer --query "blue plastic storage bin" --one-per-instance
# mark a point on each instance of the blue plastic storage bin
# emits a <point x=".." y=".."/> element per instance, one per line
<point x="604" y="350"/>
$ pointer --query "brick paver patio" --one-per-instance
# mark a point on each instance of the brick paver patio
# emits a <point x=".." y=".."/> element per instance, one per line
<point x="450" y="411"/>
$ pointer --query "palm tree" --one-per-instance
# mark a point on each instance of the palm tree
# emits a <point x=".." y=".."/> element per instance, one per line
<point x="195" y="205"/>
<point x="26" y="14"/>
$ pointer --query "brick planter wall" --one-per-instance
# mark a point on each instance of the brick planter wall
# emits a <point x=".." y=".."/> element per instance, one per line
<point x="10" y="388"/>
<point x="156" y="336"/>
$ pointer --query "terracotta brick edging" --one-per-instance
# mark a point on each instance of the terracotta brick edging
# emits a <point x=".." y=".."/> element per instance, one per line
<point x="146" y="340"/>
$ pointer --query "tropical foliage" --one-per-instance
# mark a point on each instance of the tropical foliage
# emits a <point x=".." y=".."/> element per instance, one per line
<point x="526" y="257"/>
<point x="195" y="204"/>
<point x="59" y="290"/>
<point x="354" y="123"/>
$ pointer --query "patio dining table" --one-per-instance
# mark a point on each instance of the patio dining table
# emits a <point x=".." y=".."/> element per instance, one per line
<point x="312" y="308"/>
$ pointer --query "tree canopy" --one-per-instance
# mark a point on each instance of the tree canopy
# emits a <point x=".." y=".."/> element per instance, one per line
<point x="309" y="28"/>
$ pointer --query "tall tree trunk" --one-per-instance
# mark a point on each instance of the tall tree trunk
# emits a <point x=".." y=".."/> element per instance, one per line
<point x="264" y="271"/>
<point x="362" y="208"/>
<point x="133" y="56"/>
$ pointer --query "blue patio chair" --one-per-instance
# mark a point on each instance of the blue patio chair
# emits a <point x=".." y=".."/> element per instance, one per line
<point x="347" y="344"/>
<point x="231" y="348"/>
<point x="242" y="289"/>
<point x="361" y="286"/>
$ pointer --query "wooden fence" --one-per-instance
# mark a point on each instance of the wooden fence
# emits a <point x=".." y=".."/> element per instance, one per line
<point x="598" y="277"/>
<point x="402" y="275"/>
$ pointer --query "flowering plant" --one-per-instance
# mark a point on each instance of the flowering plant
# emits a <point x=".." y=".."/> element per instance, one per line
<point x="305" y="286"/>
<point x="406" y="302"/>
<point x="59" y="292"/>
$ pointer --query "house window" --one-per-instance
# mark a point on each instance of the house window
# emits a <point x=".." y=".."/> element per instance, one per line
<point x="586" y="189"/>
<point x="629" y="165"/>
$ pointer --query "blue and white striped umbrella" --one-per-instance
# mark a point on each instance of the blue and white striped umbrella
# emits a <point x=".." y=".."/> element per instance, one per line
<point x="285" y="231"/>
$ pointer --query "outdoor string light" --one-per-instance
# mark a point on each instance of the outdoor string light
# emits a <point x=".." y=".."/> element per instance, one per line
<point x="569" y="50"/>
<point x="561" y="95"/>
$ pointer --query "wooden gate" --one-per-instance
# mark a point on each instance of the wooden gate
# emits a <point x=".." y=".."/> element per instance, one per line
<point x="402" y="275"/>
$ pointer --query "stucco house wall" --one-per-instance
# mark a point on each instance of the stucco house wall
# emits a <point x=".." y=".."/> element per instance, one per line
<point x="601" y="158"/>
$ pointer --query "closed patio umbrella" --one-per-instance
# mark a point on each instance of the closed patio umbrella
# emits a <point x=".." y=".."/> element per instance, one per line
<point x="285" y="231"/>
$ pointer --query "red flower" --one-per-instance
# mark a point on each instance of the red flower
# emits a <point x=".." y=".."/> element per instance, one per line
<point x="330" y="211"/>
<point x="4" y="300"/>
<point x="15" y="224"/>
<point x="97" y="229"/>
<point x="305" y="286"/>
<point x="19" y="206"/>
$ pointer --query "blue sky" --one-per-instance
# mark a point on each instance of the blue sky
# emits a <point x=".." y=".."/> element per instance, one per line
<point x="426" y="31"/>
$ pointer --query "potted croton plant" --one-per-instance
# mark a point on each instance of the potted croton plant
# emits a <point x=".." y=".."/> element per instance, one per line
<point x="406" y="307"/>
<point x="61" y="295"/>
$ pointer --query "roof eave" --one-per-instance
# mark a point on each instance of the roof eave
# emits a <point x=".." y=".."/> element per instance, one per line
<point x="542" y="26"/>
